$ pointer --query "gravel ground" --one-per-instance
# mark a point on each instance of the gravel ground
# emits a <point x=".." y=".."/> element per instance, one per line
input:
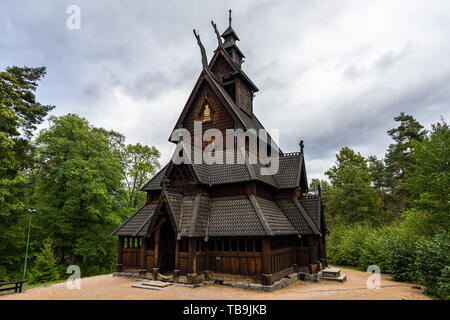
<point x="108" y="287"/>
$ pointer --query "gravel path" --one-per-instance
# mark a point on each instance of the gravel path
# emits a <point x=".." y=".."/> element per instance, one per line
<point x="118" y="288"/>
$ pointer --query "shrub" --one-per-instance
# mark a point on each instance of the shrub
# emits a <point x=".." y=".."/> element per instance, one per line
<point x="433" y="264"/>
<point x="45" y="267"/>
<point x="345" y="244"/>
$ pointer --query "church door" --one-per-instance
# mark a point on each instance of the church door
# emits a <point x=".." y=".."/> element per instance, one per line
<point x="167" y="248"/>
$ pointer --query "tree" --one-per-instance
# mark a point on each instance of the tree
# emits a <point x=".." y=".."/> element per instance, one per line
<point x="351" y="196"/>
<point x="429" y="181"/>
<point x="45" y="266"/>
<point x="399" y="159"/>
<point x="79" y="191"/>
<point x="377" y="172"/>
<point x="315" y="183"/>
<point x="140" y="163"/>
<point x="19" y="115"/>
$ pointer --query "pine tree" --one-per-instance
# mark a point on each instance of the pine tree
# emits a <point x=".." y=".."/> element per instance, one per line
<point x="351" y="197"/>
<point x="399" y="159"/>
<point x="45" y="266"/>
<point x="429" y="182"/>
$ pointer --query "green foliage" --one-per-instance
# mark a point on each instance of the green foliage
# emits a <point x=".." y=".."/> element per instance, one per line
<point x="79" y="194"/>
<point x="429" y="183"/>
<point x="19" y="115"/>
<point x="45" y="266"/>
<point x="351" y="197"/>
<point x="140" y="162"/>
<point x="432" y="264"/>
<point x="408" y="251"/>
<point x="345" y="243"/>
<point x="399" y="159"/>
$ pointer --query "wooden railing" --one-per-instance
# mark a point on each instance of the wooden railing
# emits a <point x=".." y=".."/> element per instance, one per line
<point x="243" y="263"/>
<point x="130" y="257"/>
<point x="281" y="259"/>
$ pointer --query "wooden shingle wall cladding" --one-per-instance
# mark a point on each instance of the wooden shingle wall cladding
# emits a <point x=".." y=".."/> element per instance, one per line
<point x="221" y="119"/>
<point x="244" y="97"/>
<point x="222" y="68"/>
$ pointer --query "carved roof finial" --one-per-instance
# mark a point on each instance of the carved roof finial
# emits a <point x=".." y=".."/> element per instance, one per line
<point x="219" y="39"/>
<point x="301" y="146"/>
<point x="202" y="50"/>
<point x="229" y="16"/>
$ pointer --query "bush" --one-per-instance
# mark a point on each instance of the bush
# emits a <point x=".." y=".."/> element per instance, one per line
<point x="345" y="243"/>
<point x="407" y="251"/>
<point x="402" y="253"/>
<point x="45" y="267"/>
<point x="432" y="264"/>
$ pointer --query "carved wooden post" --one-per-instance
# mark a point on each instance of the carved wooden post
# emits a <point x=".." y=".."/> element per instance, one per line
<point x="312" y="250"/>
<point x="177" y="254"/>
<point x="119" y="255"/>
<point x="191" y="276"/>
<point x="267" y="270"/>
<point x="143" y="264"/>
<point x="155" y="270"/>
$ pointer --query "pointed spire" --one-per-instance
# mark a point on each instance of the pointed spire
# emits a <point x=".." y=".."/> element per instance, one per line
<point x="229" y="16"/>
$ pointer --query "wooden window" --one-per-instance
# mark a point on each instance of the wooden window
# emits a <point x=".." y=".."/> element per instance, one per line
<point x="250" y="245"/>
<point x="242" y="245"/>
<point x="234" y="245"/>
<point x="226" y="245"/>
<point x="258" y="247"/>
<point x="219" y="245"/>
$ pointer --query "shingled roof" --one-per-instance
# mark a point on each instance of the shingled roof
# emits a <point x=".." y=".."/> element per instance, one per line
<point x="288" y="175"/>
<point x="137" y="224"/>
<point x="298" y="216"/>
<point x="201" y="216"/>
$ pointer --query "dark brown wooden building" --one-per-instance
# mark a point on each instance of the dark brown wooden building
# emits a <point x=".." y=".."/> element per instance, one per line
<point x="225" y="219"/>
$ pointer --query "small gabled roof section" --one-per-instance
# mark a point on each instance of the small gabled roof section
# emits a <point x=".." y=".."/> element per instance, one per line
<point x="155" y="182"/>
<point x="272" y="217"/>
<point x="297" y="215"/>
<point x="136" y="224"/>
<point x="308" y="219"/>
<point x="220" y="51"/>
<point x="171" y="199"/>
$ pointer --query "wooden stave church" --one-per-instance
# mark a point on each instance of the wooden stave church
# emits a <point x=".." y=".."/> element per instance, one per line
<point x="204" y="221"/>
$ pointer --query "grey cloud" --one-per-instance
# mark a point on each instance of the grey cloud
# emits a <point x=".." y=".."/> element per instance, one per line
<point x="146" y="51"/>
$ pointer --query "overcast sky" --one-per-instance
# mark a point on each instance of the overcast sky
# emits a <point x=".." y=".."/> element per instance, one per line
<point x="333" y="73"/>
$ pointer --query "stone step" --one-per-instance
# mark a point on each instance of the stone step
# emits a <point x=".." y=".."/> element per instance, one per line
<point x="331" y="272"/>
<point x="156" y="283"/>
<point x="340" y="278"/>
<point x="146" y="287"/>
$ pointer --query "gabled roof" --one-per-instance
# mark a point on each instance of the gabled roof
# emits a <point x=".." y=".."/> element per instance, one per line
<point x="229" y="31"/>
<point x="221" y="50"/>
<point x="219" y="91"/>
<point x="288" y="176"/>
<point x="155" y="182"/>
<point x="137" y="224"/>
<point x="297" y="215"/>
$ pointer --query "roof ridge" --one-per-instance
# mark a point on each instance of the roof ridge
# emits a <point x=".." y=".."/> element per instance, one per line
<point x="247" y="164"/>
<point x="180" y="220"/>
<point x="300" y="168"/>
<point x="260" y="215"/>
<point x="193" y="224"/>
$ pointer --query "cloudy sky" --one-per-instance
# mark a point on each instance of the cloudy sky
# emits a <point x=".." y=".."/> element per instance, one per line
<point x="333" y="73"/>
